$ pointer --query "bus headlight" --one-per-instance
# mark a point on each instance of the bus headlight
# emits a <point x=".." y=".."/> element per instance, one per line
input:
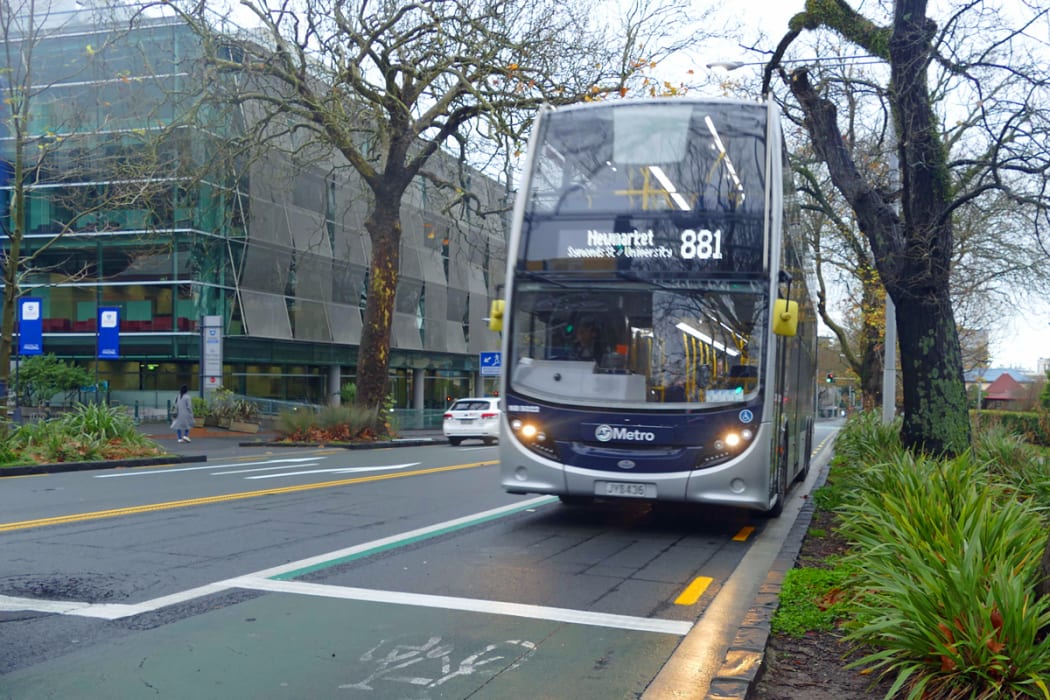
<point x="725" y="447"/>
<point x="533" y="436"/>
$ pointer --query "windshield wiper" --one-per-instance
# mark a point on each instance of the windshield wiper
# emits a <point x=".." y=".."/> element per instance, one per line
<point x="541" y="277"/>
<point x="635" y="277"/>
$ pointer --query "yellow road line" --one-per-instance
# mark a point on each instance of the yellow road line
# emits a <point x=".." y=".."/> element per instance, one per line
<point x="694" y="590"/>
<point x="744" y="533"/>
<point x="132" y="510"/>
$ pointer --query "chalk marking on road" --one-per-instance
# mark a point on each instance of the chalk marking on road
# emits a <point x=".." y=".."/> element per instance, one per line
<point x="333" y="470"/>
<point x="491" y="607"/>
<point x="208" y="466"/>
<point x="207" y="500"/>
<point x="434" y="657"/>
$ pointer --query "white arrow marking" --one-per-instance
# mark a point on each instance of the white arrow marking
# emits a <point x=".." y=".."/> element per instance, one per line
<point x="341" y="470"/>
<point x="209" y="466"/>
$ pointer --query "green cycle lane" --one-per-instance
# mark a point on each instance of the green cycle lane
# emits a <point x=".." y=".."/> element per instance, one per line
<point x="304" y="647"/>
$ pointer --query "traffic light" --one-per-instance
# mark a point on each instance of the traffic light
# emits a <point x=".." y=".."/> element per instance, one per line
<point x="830" y="379"/>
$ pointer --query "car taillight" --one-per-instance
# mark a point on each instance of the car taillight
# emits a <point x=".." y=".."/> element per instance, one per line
<point x="489" y="415"/>
<point x="447" y="416"/>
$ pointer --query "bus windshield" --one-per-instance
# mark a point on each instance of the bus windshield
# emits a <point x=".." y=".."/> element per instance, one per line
<point x="638" y="345"/>
<point x="649" y="187"/>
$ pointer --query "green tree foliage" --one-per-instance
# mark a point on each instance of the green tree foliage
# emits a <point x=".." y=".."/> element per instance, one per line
<point x="43" y="376"/>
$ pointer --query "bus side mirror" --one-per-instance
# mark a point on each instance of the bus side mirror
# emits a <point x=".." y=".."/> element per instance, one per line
<point x="496" y="315"/>
<point x="785" y="317"/>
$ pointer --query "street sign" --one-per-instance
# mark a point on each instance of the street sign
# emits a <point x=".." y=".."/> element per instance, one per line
<point x="30" y="327"/>
<point x="108" y="336"/>
<point x="491" y="364"/>
<point x="211" y="352"/>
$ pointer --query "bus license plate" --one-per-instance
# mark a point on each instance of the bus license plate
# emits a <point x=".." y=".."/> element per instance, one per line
<point x="624" y="489"/>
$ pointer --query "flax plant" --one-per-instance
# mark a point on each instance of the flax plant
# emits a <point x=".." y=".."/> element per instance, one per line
<point x="946" y="561"/>
<point x="88" y="433"/>
<point x="1016" y="463"/>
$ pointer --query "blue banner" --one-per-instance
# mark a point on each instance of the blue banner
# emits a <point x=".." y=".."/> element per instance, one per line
<point x="30" y="326"/>
<point x="108" y="332"/>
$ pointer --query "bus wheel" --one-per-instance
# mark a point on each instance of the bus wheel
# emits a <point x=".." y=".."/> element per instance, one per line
<point x="778" y="507"/>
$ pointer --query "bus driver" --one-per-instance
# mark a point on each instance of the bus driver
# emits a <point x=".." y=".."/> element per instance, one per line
<point x="585" y="341"/>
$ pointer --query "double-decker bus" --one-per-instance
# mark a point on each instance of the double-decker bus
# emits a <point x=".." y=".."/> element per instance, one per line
<point x="659" y="341"/>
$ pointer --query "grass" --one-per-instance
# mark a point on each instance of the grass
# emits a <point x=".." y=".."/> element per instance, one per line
<point x="811" y="599"/>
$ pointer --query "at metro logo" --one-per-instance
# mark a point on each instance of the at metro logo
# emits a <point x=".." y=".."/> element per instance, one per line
<point x="606" y="433"/>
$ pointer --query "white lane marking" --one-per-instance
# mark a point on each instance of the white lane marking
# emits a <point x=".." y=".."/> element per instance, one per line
<point x="109" y="611"/>
<point x="116" y="611"/>
<point x="208" y="466"/>
<point x="493" y="607"/>
<point x="394" y="540"/>
<point x="334" y="470"/>
<point x="261" y="469"/>
<point x="261" y="581"/>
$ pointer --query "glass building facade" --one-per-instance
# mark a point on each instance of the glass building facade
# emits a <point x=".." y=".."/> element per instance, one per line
<point x="120" y="214"/>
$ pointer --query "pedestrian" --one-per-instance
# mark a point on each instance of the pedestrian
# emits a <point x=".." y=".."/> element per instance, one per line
<point x="183" y="415"/>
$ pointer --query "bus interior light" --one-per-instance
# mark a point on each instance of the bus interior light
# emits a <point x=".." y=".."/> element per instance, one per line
<point x="686" y="328"/>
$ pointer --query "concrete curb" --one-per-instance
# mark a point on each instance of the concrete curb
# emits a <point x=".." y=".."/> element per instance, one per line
<point x="378" y="444"/>
<point x="744" y="661"/>
<point x="57" y="467"/>
<point x="111" y="464"/>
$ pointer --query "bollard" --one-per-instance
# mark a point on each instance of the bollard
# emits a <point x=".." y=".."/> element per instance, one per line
<point x="136" y="409"/>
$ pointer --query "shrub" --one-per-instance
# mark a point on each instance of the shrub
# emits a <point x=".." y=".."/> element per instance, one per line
<point x="42" y="376"/>
<point x="200" y="406"/>
<point x="331" y="423"/>
<point x="225" y="405"/>
<point x="1034" y="426"/>
<point x="88" y="433"/>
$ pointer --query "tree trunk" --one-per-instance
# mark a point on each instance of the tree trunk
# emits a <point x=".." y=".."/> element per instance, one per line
<point x="373" y="357"/>
<point x="936" y="419"/>
<point x="912" y="252"/>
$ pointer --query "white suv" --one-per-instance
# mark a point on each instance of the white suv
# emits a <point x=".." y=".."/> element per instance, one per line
<point x="476" y="418"/>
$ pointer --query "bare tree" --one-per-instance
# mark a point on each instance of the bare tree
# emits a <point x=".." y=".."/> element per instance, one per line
<point x="387" y="84"/>
<point x="51" y="147"/>
<point x="947" y="163"/>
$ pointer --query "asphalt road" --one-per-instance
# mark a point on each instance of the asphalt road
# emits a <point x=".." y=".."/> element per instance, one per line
<point x="391" y="573"/>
